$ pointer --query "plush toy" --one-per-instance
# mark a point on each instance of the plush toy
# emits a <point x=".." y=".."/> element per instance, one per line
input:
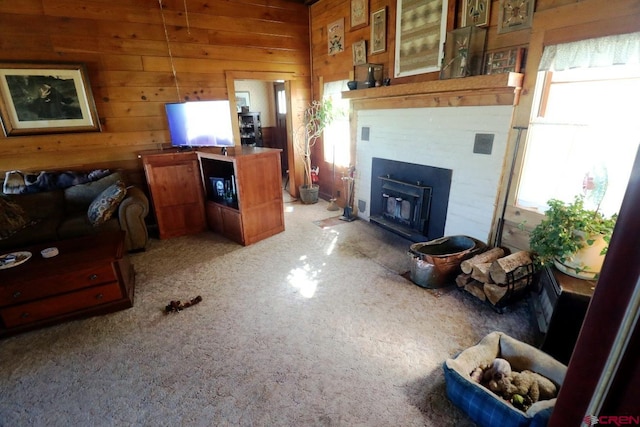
<point x="529" y="386"/>
<point x="498" y="369"/>
<point x="477" y="374"/>
<point x="176" y="306"/>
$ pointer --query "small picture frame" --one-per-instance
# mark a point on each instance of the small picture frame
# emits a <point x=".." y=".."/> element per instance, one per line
<point x="514" y="15"/>
<point x="476" y="12"/>
<point x="218" y="191"/>
<point x="379" y="31"/>
<point x="335" y="36"/>
<point x="243" y="100"/>
<point x="359" y="14"/>
<point x="359" y="52"/>
<point x="43" y="98"/>
<point x="504" y="61"/>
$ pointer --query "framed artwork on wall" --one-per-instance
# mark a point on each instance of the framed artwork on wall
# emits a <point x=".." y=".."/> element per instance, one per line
<point x="421" y="28"/>
<point x="379" y="31"/>
<point x="39" y="98"/>
<point x="476" y="12"/>
<point x="359" y="13"/>
<point x="359" y="52"/>
<point x="335" y="36"/>
<point x="515" y="15"/>
<point x="504" y="61"/>
<point x="243" y="99"/>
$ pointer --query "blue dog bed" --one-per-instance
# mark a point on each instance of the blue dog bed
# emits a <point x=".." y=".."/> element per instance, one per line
<point x="483" y="406"/>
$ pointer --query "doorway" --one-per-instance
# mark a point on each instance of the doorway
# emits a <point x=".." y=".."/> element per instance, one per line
<point x="279" y="132"/>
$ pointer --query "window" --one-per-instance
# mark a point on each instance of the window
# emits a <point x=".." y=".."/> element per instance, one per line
<point x="583" y="135"/>
<point x="337" y="134"/>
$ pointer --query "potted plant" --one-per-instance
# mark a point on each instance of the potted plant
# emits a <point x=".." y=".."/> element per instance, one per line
<point x="573" y="238"/>
<point x="316" y="117"/>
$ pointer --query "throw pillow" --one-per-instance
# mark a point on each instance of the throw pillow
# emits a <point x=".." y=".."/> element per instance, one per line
<point x="106" y="203"/>
<point x="12" y="218"/>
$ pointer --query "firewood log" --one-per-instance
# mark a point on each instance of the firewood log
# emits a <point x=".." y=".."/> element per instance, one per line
<point x="515" y="263"/>
<point x="476" y="289"/>
<point x="480" y="272"/>
<point x="488" y="256"/>
<point x="495" y="292"/>
<point x="462" y="279"/>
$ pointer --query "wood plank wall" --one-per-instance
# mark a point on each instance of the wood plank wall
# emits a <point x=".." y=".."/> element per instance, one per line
<point x="327" y="67"/>
<point x="124" y="46"/>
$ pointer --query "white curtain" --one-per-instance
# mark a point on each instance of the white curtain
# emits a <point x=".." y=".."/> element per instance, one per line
<point x="598" y="52"/>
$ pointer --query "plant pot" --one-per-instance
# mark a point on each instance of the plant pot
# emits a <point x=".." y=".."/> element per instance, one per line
<point x="587" y="262"/>
<point x="309" y="194"/>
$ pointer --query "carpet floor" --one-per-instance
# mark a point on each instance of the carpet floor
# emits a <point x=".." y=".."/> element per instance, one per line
<point x="312" y="327"/>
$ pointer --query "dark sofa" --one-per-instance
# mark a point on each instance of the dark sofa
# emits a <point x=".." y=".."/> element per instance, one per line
<point x="62" y="214"/>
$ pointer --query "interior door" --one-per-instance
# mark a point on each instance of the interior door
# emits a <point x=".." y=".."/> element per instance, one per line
<point x="280" y="134"/>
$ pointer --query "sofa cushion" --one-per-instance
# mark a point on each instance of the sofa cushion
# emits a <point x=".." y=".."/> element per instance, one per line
<point x="12" y="218"/>
<point x="78" y="225"/>
<point x="46" y="205"/>
<point x="79" y="197"/>
<point x="103" y="206"/>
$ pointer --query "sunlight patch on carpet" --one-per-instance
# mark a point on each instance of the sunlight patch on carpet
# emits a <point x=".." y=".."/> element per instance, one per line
<point x="304" y="279"/>
<point x="329" y="222"/>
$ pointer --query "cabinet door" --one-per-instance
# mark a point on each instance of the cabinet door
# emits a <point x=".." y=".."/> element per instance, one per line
<point x="176" y="194"/>
<point x="214" y="217"/>
<point x="260" y="193"/>
<point x="232" y="225"/>
<point x="225" y="221"/>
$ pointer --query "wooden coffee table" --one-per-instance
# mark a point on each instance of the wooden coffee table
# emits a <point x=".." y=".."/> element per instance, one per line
<point x="91" y="275"/>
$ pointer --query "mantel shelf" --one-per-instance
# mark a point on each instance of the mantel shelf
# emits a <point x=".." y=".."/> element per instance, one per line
<point x="485" y="83"/>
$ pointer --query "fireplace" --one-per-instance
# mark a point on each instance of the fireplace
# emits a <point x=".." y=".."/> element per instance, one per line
<point x="409" y="199"/>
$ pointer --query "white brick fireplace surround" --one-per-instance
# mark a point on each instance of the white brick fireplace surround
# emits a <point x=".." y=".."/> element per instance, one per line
<point x="440" y="137"/>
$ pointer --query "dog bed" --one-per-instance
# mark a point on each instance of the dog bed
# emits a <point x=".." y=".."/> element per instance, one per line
<point x="481" y="404"/>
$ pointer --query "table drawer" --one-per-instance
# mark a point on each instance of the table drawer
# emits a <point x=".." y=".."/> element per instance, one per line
<point x="50" y="307"/>
<point x="56" y="284"/>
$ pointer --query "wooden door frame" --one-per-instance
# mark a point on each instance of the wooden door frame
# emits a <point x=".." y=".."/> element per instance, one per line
<point x="291" y="86"/>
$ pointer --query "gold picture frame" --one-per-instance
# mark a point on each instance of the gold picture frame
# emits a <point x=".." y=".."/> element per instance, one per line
<point x="514" y="15"/>
<point x="359" y="14"/>
<point x="359" y="52"/>
<point x="379" y="31"/>
<point x="476" y="12"/>
<point x="42" y="98"/>
<point x="421" y="29"/>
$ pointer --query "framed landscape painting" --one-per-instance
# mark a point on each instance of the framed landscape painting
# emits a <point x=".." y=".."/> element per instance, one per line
<point x="38" y="98"/>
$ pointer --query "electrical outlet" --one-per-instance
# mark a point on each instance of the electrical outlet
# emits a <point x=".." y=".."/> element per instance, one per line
<point x="338" y="193"/>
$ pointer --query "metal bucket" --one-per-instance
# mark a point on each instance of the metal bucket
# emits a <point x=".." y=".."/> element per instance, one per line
<point x="437" y="262"/>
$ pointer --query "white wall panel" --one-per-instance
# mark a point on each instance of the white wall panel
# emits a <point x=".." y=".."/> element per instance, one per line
<point x="440" y="137"/>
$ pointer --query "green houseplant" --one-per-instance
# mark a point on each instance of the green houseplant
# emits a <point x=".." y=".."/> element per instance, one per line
<point x="573" y="238"/>
<point x="315" y="118"/>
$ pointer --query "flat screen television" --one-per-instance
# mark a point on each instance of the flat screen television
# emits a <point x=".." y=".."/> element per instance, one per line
<point x="200" y="124"/>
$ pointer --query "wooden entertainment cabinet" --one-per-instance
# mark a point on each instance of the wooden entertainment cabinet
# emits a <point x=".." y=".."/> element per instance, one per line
<point x="182" y="185"/>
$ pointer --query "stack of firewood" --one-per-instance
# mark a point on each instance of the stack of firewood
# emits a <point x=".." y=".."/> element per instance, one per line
<point x="493" y="276"/>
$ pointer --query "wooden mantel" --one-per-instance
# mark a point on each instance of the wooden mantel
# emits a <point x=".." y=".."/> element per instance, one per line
<point x="493" y="89"/>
